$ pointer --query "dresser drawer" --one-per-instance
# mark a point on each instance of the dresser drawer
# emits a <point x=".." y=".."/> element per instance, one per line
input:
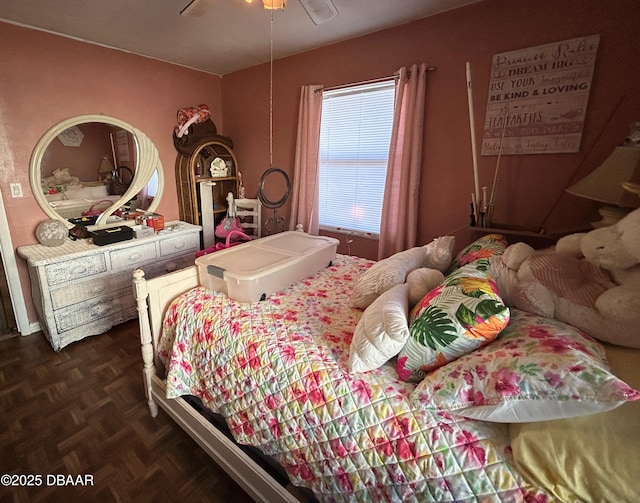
<point x="167" y="266"/>
<point x="133" y="255"/>
<point x="70" y="270"/>
<point x="95" y="327"/>
<point x="76" y="292"/>
<point x="180" y="244"/>
<point x="88" y="312"/>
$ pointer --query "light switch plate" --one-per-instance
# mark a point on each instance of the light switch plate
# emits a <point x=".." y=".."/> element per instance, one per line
<point x="16" y="189"/>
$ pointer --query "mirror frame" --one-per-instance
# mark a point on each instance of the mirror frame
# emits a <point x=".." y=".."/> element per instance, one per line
<point x="287" y="191"/>
<point x="148" y="162"/>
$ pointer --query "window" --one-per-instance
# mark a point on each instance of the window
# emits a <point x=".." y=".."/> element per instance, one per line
<point x="355" y="134"/>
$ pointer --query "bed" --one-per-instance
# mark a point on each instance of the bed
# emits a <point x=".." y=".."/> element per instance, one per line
<point x="278" y="371"/>
<point x="73" y="200"/>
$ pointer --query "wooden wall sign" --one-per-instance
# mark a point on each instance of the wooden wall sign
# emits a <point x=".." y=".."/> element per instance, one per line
<point x="538" y="98"/>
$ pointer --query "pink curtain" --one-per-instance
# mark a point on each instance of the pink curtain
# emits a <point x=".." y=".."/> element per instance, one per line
<point x="399" y="222"/>
<point x="304" y="203"/>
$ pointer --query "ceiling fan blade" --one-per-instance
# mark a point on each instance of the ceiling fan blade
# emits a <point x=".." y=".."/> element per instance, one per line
<point x="320" y="11"/>
<point x="196" y="8"/>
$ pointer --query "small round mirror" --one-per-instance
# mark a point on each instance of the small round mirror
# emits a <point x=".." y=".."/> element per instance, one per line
<point x="274" y="188"/>
<point x="273" y="192"/>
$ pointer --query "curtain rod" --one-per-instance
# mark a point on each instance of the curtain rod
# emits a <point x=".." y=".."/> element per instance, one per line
<point x="365" y="82"/>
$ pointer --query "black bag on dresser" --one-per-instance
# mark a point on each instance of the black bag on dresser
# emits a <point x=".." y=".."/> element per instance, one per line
<point x="111" y="235"/>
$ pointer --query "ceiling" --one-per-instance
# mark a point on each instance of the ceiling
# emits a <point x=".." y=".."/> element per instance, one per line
<point x="230" y="36"/>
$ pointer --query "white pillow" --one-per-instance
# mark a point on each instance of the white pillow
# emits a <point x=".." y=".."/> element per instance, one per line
<point x="382" y="330"/>
<point x="421" y="282"/>
<point x="391" y="271"/>
<point x="439" y="253"/>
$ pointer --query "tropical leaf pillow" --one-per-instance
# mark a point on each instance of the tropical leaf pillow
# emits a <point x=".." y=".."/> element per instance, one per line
<point x="460" y="315"/>
<point x="484" y="247"/>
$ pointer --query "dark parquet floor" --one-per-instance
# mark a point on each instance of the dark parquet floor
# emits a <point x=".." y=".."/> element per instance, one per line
<point x="82" y="412"/>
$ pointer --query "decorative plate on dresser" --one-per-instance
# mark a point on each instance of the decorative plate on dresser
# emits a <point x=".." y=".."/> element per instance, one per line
<point x="80" y="289"/>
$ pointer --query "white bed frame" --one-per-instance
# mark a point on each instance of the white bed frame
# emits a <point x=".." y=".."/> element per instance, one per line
<point x="153" y="297"/>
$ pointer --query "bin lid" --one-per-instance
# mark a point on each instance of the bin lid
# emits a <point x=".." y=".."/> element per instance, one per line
<point x="294" y="242"/>
<point x="245" y="261"/>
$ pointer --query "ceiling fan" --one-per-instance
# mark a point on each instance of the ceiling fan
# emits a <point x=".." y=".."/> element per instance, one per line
<point x="320" y="11"/>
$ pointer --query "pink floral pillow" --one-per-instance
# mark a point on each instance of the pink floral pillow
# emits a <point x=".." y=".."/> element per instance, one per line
<point x="460" y="315"/>
<point x="538" y="369"/>
<point x="484" y="247"/>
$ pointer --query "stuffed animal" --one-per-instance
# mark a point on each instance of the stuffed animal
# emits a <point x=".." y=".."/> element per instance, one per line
<point x="590" y="280"/>
<point x="61" y="176"/>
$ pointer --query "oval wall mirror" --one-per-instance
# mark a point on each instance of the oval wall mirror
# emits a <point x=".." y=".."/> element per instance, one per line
<point x="94" y="165"/>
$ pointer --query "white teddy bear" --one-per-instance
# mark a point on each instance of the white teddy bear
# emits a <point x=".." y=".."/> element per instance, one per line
<point x="60" y="176"/>
<point x="591" y="281"/>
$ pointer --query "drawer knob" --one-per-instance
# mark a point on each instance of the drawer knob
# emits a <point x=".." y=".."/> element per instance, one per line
<point x="179" y="245"/>
<point x="135" y="256"/>
<point x="98" y="289"/>
<point x="101" y="309"/>
<point x="79" y="270"/>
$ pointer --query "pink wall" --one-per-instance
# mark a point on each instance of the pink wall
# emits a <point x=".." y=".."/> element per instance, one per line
<point x="531" y="192"/>
<point x="46" y="79"/>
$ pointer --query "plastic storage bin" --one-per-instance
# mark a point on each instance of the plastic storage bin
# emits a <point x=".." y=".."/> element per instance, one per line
<point x="254" y="270"/>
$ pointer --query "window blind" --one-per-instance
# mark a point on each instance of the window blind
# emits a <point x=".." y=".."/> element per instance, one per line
<point x="355" y="134"/>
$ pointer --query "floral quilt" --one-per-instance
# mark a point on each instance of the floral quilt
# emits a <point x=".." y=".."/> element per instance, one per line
<point x="277" y="370"/>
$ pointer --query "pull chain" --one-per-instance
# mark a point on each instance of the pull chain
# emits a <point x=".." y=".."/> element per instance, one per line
<point x="271" y="95"/>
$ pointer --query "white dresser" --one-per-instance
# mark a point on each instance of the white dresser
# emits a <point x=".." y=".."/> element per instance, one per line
<point x="81" y="289"/>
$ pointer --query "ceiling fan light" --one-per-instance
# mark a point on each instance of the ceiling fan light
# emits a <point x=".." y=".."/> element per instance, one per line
<point x="274" y="4"/>
<point x="320" y="11"/>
